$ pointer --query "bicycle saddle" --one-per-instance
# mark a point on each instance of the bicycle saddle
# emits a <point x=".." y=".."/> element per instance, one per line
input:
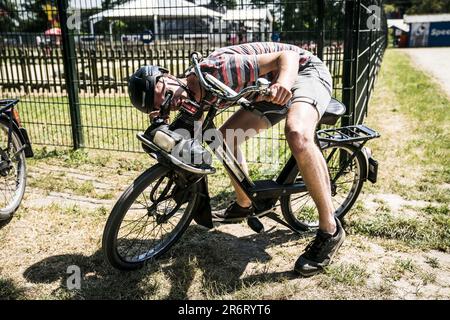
<point x="334" y="111"/>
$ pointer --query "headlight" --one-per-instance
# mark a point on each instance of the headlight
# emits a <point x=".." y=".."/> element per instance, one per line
<point x="164" y="141"/>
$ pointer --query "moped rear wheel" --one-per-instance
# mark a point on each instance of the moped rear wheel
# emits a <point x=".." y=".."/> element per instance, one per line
<point x="346" y="179"/>
<point x="149" y="217"/>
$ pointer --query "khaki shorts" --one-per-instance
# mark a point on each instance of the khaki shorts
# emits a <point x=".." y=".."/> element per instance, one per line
<point x="313" y="86"/>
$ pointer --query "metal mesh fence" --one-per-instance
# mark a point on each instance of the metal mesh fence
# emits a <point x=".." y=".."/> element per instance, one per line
<point x="69" y="61"/>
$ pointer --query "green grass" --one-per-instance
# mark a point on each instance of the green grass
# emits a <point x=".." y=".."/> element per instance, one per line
<point x="411" y="112"/>
<point x="399" y="269"/>
<point x="76" y="158"/>
<point x="76" y="211"/>
<point x="346" y="274"/>
<point x="110" y="123"/>
<point x="426" y="149"/>
<point x="432" y="231"/>
<point x="60" y="183"/>
<point x="433" y="262"/>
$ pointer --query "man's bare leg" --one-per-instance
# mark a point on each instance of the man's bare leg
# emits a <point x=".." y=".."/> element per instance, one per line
<point x="300" y="128"/>
<point x="245" y="121"/>
<point x="300" y="132"/>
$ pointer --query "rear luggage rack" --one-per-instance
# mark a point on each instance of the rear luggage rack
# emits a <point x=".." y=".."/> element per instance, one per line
<point x="347" y="134"/>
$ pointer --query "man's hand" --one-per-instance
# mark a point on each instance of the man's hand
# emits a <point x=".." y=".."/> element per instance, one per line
<point x="279" y="94"/>
<point x="152" y="115"/>
<point x="286" y="64"/>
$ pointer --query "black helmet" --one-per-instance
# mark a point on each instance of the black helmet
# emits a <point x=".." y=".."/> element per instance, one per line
<point x="141" y="87"/>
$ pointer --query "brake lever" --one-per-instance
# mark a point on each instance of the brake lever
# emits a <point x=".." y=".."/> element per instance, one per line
<point x="165" y="106"/>
<point x="164" y="110"/>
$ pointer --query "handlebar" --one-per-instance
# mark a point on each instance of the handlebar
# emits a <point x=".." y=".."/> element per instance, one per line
<point x="221" y="90"/>
<point x="6" y="104"/>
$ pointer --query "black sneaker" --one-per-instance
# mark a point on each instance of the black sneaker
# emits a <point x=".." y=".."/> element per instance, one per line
<point x="234" y="213"/>
<point x="320" y="252"/>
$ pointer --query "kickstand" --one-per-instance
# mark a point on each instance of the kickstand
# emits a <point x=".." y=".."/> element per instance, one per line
<point x="272" y="215"/>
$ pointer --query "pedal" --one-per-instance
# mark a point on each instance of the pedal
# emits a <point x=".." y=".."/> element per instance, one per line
<point x="255" y="224"/>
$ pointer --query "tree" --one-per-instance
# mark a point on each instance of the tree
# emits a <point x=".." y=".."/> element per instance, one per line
<point x="38" y="15"/>
<point x="218" y="4"/>
<point x="429" y="6"/>
<point x="297" y="20"/>
<point x="417" y="6"/>
<point x="8" y="16"/>
<point x="297" y="17"/>
<point x="261" y="3"/>
<point x="108" y="4"/>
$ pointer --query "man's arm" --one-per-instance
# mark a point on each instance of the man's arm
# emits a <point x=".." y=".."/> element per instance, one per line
<point x="286" y="63"/>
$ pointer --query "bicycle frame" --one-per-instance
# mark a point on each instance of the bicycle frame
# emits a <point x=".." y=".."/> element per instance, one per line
<point x="255" y="190"/>
<point x="263" y="191"/>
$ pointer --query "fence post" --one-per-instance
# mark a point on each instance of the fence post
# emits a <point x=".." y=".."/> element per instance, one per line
<point x="70" y="71"/>
<point x="355" y="58"/>
<point x="348" y="81"/>
<point x="369" y="76"/>
<point x="320" y="28"/>
<point x="23" y="68"/>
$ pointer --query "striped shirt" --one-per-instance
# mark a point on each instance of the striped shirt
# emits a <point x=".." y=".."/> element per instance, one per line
<point x="237" y="66"/>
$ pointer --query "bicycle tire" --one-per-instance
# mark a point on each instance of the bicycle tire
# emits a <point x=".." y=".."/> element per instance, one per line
<point x="306" y="218"/>
<point x="18" y="169"/>
<point x="122" y="207"/>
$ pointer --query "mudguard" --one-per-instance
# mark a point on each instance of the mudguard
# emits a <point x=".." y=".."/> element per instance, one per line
<point x="23" y="136"/>
<point x="202" y="215"/>
<point x="371" y="165"/>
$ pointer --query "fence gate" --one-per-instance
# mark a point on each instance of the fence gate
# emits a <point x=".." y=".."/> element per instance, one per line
<point x="69" y="61"/>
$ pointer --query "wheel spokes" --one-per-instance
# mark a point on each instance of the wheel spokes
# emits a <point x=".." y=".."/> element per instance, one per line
<point x="150" y="221"/>
<point x="302" y="205"/>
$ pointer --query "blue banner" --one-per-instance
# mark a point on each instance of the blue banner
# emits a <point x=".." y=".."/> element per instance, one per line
<point x="439" y="34"/>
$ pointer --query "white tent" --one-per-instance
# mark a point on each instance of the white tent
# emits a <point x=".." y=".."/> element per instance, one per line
<point x="85" y="4"/>
<point x="248" y="14"/>
<point x="143" y="9"/>
<point x="398" y="23"/>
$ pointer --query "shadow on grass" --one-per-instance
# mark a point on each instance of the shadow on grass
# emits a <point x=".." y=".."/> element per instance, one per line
<point x="10" y="291"/>
<point x="221" y="200"/>
<point x="220" y="258"/>
<point x="3" y="223"/>
<point x="98" y="280"/>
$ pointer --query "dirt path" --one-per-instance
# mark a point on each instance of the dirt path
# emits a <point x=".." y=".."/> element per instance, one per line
<point x="55" y="229"/>
<point x="434" y="61"/>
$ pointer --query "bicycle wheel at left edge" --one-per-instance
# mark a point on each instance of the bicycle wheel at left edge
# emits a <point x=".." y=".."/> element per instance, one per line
<point x="149" y="217"/>
<point x="12" y="171"/>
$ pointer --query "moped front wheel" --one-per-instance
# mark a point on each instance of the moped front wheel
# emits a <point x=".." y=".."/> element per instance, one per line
<point x="148" y="219"/>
